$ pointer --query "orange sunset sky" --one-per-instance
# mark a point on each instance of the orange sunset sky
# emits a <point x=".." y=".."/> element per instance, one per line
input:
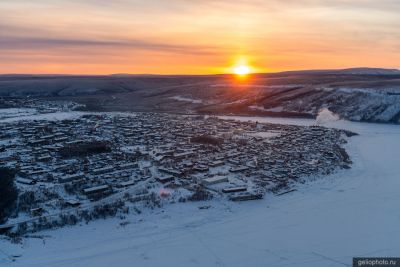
<point x="196" y="36"/>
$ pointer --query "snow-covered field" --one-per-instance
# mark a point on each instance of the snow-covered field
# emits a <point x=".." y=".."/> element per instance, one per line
<point x="6" y="113"/>
<point x="70" y="115"/>
<point x="46" y="116"/>
<point x="325" y="223"/>
<point x="187" y="99"/>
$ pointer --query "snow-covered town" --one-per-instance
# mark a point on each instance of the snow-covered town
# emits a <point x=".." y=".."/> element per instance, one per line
<point x="69" y="169"/>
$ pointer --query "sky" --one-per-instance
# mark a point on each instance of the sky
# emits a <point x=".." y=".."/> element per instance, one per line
<point x="196" y="36"/>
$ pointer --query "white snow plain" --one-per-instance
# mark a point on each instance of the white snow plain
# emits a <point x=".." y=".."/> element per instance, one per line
<point x="187" y="99"/>
<point x="326" y="116"/>
<point x="16" y="112"/>
<point x="56" y="116"/>
<point x="325" y="223"/>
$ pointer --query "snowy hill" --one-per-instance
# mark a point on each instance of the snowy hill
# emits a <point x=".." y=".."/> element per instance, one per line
<point x="349" y="71"/>
<point x="359" y="94"/>
<point x="370" y="71"/>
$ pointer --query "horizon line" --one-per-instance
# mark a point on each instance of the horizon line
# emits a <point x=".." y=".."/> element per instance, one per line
<point x="207" y="74"/>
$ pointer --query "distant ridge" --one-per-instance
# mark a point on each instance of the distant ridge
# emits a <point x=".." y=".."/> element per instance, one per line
<point x="349" y="71"/>
<point x="359" y="94"/>
<point x="134" y="75"/>
<point x="371" y="71"/>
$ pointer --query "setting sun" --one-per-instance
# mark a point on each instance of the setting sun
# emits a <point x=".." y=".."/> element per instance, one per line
<point x="241" y="70"/>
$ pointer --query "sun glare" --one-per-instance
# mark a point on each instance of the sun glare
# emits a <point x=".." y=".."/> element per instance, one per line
<point x="241" y="70"/>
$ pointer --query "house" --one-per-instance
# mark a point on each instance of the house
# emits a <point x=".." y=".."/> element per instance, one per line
<point x="127" y="166"/>
<point x="215" y="180"/>
<point x="96" y="189"/>
<point x="183" y="155"/>
<point x="25" y="181"/>
<point x="37" y="211"/>
<point x="70" y="178"/>
<point x="103" y="170"/>
<point x="60" y="139"/>
<point x="170" y="171"/>
<point x="128" y="183"/>
<point x="246" y="197"/>
<point x="44" y="158"/>
<point x="238" y="169"/>
<point x="165" y="179"/>
<point x="73" y="203"/>
<point x="200" y="168"/>
<point x="37" y="142"/>
<point x="234" y="189"/>
<point x="216" y="163"/>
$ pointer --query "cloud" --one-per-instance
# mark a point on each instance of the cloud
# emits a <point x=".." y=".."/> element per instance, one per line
<point x="169" y="34"/>
<point x="45" y="43"/>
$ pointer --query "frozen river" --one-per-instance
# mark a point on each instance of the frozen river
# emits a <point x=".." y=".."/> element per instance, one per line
<point x="325" y="223"/>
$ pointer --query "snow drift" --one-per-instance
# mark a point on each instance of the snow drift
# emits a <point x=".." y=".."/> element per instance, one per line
<point x="326" y="116"/>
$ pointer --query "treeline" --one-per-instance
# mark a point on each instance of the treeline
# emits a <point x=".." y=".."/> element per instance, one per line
<point x="8" y="193"/>
<point x="85" y="149"/>
<point x="206" y="139"/>
<point x="44" y="223"/>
